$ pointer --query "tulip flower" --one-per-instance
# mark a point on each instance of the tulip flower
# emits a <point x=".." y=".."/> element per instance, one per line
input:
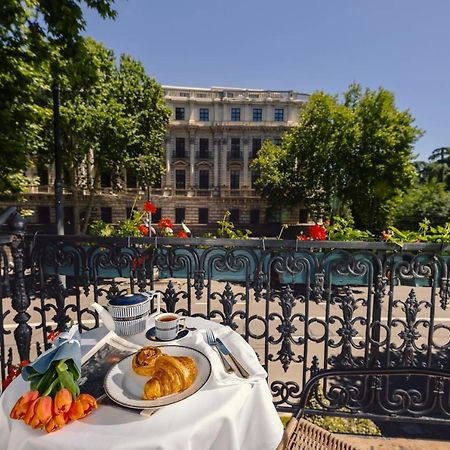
<point x="63" y="401"/>
<point x="56" y="422"/>
<point x="21" y="407"/>
<point x="39" y="412"/>
<point x="82" y="406"/>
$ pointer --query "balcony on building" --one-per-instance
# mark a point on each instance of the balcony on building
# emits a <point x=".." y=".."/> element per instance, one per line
<point x="203" y="155"/>
<point x="180" y="154"/>
<point x="234" y="156"/>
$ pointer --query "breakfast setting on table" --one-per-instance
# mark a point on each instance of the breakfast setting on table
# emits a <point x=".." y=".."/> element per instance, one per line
<point x="142" y="381"/>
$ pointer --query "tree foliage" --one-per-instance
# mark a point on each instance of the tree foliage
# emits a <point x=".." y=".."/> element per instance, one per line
<point x="355" y="152"/>
<point x="425" y="201"/>
<point x="113" y="117"/>
<point x="29" y="32"/>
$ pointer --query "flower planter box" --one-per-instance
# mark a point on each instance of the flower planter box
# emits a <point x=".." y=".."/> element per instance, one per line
<point x="97" y="261"/>
<point x="240" y="265"/>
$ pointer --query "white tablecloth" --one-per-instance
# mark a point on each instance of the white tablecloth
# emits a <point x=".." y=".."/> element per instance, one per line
<point x="226" y="414"/>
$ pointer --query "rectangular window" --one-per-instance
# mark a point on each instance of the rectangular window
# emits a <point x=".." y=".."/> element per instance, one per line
<point x="256" y="145"/>
<point x="204" y="115"/>
<point x="131" y="179"/>
<point x="235" y="114"/>
<point x="106" y="214"/>
<point x="277" y="141"/>
<point x="180" y="147"/>
<point x="278" y="115"/>
<point x="257" y="114"/>
<point x="234" y="179"/>
<point x="179" y="114"/>
<point x="254" y="216"/>
<point x="43" y="214"/>
<point x="303" y="215"/>
<point x="157" y="216"/>
<point x="203" y="215"/>
<point x="204" y="148"/>
<point x="273" y="215"/>
<point x="42" y="173"/>
<point x="179" y="215"/>
<point x="234" y="216"/>
<point x="255" y="176"/>
<point x="235" y="147"/>
<point x="203" y="179"/>
<point x="180" y="179"/>
<point x="105" y="179"/>
<point x="184" y="94"/>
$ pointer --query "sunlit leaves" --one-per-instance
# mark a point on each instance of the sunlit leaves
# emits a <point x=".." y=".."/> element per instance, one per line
<point x="355" y="153"/>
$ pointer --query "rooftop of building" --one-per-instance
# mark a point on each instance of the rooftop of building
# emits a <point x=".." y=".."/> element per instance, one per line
<point x="231" y="92"/>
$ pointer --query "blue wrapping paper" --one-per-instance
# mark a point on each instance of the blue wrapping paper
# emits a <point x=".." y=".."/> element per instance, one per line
<point x="67" y="346"/>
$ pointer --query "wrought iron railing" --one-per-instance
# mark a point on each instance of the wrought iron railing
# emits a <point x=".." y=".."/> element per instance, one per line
<point x="304" y="306"/>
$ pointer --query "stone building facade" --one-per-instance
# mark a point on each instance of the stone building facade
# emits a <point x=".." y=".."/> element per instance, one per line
<point x="212" y="138"/>
<point x="213" y="135"/>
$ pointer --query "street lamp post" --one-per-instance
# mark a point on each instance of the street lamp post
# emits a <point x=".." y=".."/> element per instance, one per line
<point x="58" y="162"/>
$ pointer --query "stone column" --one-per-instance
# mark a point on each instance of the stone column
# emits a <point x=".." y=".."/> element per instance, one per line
<point x="191" y="189"/>
<point x="245" y="175"/>
<point x="216" y="163"/>
<point x="167" y="191"/>
<point x="247" y="113"/>
<point x="223" y="165"/>
<point x="268" y="112"/>
<point x="191" y="112"/>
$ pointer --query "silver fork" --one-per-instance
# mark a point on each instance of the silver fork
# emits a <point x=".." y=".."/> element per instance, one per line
<point x="211" y="340"/>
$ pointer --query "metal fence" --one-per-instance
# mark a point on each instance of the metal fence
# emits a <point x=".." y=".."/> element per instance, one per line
<point x="304" y="306"/>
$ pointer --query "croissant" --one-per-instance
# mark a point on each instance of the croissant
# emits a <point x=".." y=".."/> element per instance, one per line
<point x="145" y="359"/>
<point x="172" y="374"/>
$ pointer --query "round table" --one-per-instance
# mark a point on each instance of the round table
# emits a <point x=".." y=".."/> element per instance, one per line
<point x="226" y="414"/>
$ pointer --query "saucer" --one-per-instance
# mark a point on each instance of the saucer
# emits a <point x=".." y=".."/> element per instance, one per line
<point x="150" y="335"/>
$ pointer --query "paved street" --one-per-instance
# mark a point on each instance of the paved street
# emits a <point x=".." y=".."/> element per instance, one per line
<point x="257" y="310"/>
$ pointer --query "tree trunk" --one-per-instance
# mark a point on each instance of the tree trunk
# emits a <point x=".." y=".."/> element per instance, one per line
<point x="92" y="192"/>
<point x="76" y="210"/>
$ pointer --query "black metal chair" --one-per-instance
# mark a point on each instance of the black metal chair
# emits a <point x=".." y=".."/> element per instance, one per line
<point x="303" y="435"/>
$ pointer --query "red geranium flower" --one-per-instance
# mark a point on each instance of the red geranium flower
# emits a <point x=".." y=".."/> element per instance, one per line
<point x="302" y="237"/>
<point x="149" y="207"/>
<point x="137" y="262"/>
<point x="51" y="336"/>
<point x="181" y="234"/>
<point x="165" y="223"/>
<point x="143" y="229"/>
<point x="318" y="232"/>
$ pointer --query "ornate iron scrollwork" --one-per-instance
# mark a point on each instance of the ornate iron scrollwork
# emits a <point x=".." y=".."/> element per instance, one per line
<point x="303" y="309"/>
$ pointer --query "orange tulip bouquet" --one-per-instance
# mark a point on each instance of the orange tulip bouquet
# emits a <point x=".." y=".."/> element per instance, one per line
<point x="54" y="397"/>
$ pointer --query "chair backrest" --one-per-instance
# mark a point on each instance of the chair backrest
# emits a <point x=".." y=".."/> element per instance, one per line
<point x="376" y="373"/>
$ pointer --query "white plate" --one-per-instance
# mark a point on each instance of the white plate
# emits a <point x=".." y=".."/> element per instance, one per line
<point x="126" y="387"/>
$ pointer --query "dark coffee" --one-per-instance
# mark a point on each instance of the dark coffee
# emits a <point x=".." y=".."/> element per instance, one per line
<point x="167" y="319"/>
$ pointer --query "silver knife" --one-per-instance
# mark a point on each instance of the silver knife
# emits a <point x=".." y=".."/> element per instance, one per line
<point x="224" y="349"/>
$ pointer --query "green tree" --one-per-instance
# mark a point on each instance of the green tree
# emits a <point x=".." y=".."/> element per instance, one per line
<point x="381" y="168"/>
<point x="355" y="153"/>
<point x="29" y="31"/>
<point x="113" y="117"/>
<point x="425" y="201"/>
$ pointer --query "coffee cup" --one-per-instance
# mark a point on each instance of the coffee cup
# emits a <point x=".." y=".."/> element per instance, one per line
<point x="168" y="325"/>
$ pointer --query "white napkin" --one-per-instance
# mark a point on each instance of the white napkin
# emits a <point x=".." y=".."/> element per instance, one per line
<point x="240" y="349"/>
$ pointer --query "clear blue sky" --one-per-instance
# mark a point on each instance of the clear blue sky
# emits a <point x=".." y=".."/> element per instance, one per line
<point x="303" y="45"/>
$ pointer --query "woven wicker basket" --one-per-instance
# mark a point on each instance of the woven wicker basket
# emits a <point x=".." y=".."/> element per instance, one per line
<point x="304" y="435"/>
